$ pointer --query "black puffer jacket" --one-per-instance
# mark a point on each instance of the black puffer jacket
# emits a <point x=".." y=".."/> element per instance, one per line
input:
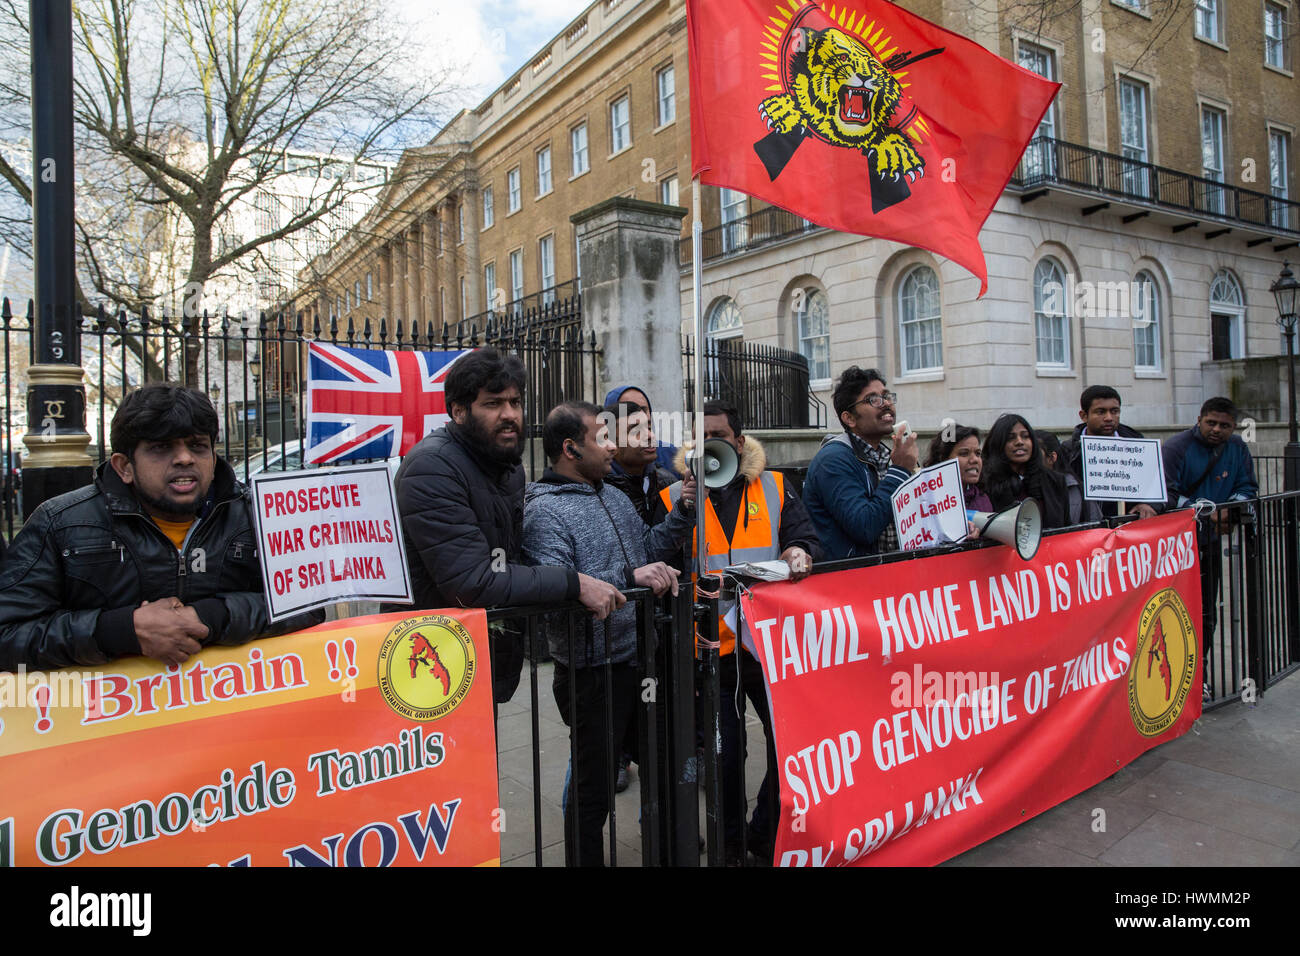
<point x="84" y="562"/>
<point x="458" y="508"/>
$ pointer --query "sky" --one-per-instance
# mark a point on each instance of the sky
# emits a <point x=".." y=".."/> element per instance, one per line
<point x="493" y="37"/>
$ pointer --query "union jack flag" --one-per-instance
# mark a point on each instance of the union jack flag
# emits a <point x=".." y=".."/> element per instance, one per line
<point x="371" y="403"/>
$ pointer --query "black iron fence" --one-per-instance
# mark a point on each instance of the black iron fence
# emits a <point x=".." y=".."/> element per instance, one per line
<point x="255" y="371"/>
<point x="1270" y="473"/>
<point x="768" y="384"/>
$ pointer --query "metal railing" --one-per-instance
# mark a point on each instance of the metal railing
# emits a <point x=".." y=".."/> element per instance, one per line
<point x="1270" y="473"/>
<point x="1048" y="162"/>
<point x="760" y="228"/>
<point x="768" y="384"/>
<point x="255" y="371"/>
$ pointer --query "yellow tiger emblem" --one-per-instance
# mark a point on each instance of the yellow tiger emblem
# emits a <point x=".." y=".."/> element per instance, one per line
<point x="843" y="94"/>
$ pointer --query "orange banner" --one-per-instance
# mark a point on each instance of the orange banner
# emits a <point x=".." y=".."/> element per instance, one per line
<point x="362" y="742"/>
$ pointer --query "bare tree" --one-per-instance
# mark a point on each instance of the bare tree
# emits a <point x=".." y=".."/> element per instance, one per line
<point x="185" y="108"/>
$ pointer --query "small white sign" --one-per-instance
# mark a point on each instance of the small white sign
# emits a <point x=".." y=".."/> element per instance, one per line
<point x="327" y="535"/>
<point x="930" y="507"/>
<point x="1122" y="469"/>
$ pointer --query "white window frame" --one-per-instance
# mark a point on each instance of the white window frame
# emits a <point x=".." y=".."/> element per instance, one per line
<point x="1138" y="148"/>
<point x="464" y="299"/>
<point x="1040" y="159"/>
<point x="1214" y="132"/>
<point x="1051" y="307"/>
<point x="1151" y="327"/>
<point x="490" y="283"/>
<point x="906" y="302"/>
<point x="514" y="191"/>
<point x="545" y="182"/>
<point x="734" y="206"/>
<point x="819" y="373"/>
<point x="1234" y="310"/>
<point x="620" y="133"/>
<point x="665" y="98"/>
<point x="1277" y="43"/>
<point x="1279" y="174"/>
<point x="370" y="287"/>
<point x="579" y="157"/>
<point x="516" y="276"/>
<point x="546" y="267"/>
<point x="1137" y="6"/>
<point x="668" y="191"/>
<point x="1207" y="21"/>
<point x="489" y="210"/>
<point x="460" y="222"/>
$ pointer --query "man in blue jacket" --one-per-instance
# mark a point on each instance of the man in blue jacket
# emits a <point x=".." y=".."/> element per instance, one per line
<point x="854" y="474"/>
<point x="1209" y="462"/>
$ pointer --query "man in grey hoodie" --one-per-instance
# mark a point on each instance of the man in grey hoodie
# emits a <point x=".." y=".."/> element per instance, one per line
<point x="573" y="518"/>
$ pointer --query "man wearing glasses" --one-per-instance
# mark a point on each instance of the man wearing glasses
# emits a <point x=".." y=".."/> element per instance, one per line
<point x="853" y="475"/>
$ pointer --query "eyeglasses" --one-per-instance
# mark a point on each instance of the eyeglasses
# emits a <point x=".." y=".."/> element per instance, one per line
<point x="876" y="399"/>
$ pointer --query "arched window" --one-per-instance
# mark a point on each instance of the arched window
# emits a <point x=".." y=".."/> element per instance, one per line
<point x="1146" y="324"/>
<point x="920" y="329"/>
<point x="723" y="321"/>
<point x="1051" y="315"/>
<point x="813" y="325"/>
<point x="1227" y="318"/>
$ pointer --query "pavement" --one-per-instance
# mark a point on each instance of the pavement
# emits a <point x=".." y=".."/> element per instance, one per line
<point x="1227" y="793"/>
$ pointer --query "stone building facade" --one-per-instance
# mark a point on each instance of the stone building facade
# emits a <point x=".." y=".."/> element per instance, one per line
<point x="1135" y="245"/>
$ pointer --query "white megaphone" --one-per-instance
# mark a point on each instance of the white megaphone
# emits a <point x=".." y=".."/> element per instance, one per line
<point x="720" y="462"/>
<point x="1021" y="526"/>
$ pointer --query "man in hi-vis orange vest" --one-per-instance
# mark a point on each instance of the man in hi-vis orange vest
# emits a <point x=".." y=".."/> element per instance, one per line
<point x="754" y="518"/>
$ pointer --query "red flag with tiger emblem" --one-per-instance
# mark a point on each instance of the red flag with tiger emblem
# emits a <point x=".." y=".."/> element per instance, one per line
<point x="859" y="116"/>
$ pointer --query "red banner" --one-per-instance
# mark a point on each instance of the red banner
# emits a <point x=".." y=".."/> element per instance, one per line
<point x="924" y="707"/>
<point x="859" y="116"/>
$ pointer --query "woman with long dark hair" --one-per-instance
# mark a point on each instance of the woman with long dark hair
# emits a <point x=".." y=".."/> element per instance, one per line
<point x="965" y="447"/>
<point x="1014" y="470"/>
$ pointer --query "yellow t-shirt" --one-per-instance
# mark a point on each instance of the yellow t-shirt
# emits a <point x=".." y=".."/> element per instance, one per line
<point x="175" y="530"/>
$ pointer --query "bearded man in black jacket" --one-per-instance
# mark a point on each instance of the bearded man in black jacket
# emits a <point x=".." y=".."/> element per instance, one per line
<point x="460" y="492"/>
<point x="157" y="557"/>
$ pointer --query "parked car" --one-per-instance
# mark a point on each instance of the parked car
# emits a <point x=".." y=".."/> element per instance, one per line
<point x="287" y="458"/>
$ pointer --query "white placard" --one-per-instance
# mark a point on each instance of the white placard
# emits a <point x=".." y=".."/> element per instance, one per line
<point x="1122" y="469"/>
<point x="327" y="535"/>
<point x="930" y="507"/>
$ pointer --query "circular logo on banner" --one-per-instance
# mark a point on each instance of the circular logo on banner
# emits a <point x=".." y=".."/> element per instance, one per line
<point x="426" y="667"/>
<point x="1164" y="664"/>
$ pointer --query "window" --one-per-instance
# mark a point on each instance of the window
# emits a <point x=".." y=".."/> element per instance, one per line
<point x="512" y="191"/>
<point x="668" y="191"/>
<point x="460" y="222"/>
<point x="1051" y="321"/>
<point x="1227" y="318"/>
<point x="920" y="329"/>
<point x="1131" y="4"/>
<point x="666" y="101"/>
<point x="578" y="150"/>
<point x="1133" y="136"/>
<point x="490" y="285"/>
<point x="347" y="300"/>
<point x="734" y="231"/>
<point x="546" y="255"/>
<point x="1146" y="325"/>
<point x="723" y="354"/>
<point x="724" y="321"/>
<point x="813" y="326"/>
<point x="543" y="170"/>
<point x="357" y="293"/>
<point x="489" y="215"/>
<point x="1279" y="172"/>
<point x="464" y="301"/>
<point x="338" y="305"/>
<point x="620" y="125"/>
<point x="516" y="275"/>
<point x="1039" y="156"/>
<point x="1212" y="158"/>
<point x="370" y="287"/>
<point x="1207" y="20"/>
<point x="1275" y="46"/>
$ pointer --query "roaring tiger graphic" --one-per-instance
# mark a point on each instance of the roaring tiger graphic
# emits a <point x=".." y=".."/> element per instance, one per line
<point x="842" y="94"/>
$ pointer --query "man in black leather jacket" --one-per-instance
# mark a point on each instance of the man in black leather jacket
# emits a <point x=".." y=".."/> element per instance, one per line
<point x="158" y="557"/>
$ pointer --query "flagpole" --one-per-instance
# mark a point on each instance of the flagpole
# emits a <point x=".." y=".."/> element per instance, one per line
<point x="697" y="460"/>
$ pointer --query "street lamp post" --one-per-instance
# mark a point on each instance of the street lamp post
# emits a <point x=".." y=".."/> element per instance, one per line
<point x="1286" y="290"/>
<point x="255" y="370"/>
